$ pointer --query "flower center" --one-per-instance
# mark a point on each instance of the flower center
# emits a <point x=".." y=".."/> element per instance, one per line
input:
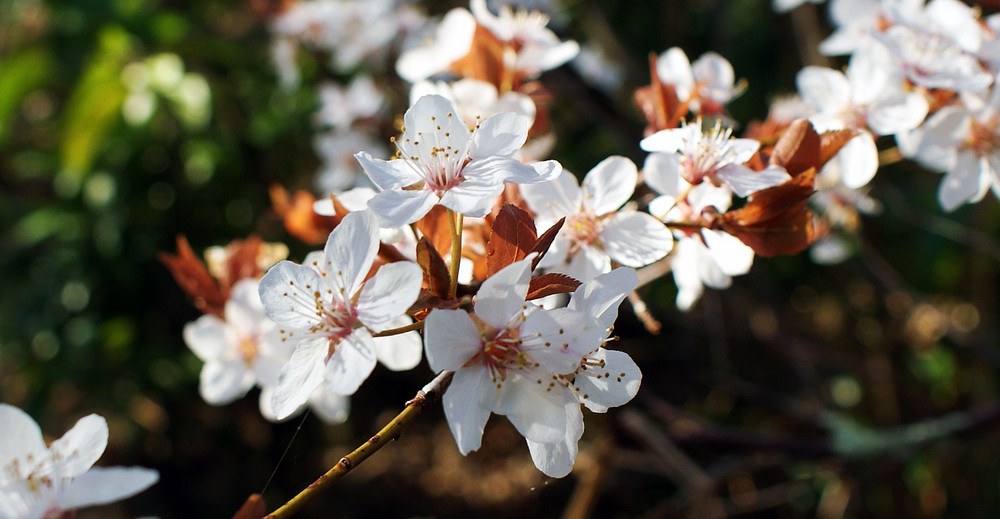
<point x="584" y="228"/>
<point x="983" y="139"/>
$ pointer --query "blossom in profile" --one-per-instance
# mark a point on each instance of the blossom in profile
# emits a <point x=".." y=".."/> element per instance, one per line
<point x="705" y="85"/>
<point x="604" y="379"/>
<point x="715" y="157"/>
<point x="508" y="357"/>
<point x="526" y="32"/>
<point x="597" y="229"/>
<point x="330" y="311"/>
<point x="701" y="257"/>
<point x="442" y="161"/>
<point x="39" y="481"/>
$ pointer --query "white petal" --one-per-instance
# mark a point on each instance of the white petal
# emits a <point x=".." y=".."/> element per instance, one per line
<point x="717" y="76"/>
<point x="636" y="239"/>
<point x="533" y="173"/>
<point x="331" y="408"/>
<point x="472" y="197"/>
<point x="868" y="76"/>
<point x="80" y="447"/>
<point x="388" y="294"/>
<point x="500" y="134"/>
<point x="666" y="141"/>
<point x="350" y="250"/>
<point x="224" y="382"/>
<point x="20" y="437"/>
<point x="897" y="113"/>
<point x="467" y="404"/>
<point x="674" y="68"/>
<point x="858" y="160"/>
<point x="731" y="255"/>
<point x="287" y="292"/>
<point x="745" y="181"/>
<point x="960" y="184"/>
<point x="558" y="339"/>
<point x="300" y="376"/>
<point x="824" y="89"/>
<point x="101" y="485"/>
<point x="556" y="459"/>
<point x="536" y="409"/>
<point x="501" y="297"/>
<point x="433" y="117"/>
<point x="601" y="388"/>
<point x="399" y="352"/>
<point x="450" y="339"/>
<point x="600" y="297"/>
<point x="352" y="361"/>
<point x="553" y="200"/>
<point x="588" y="263"/>
<point x="207" y="337"/>
<point x="395" y="208"/>
<point x="610" y="184"/>
<point x="389" y="174"/>
<point x="661" y="171"/>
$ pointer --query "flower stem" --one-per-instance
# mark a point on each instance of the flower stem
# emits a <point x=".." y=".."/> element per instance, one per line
<point x="425" y="397"/>
<point x="402" y="329"/>
<point x="455" y="222"/>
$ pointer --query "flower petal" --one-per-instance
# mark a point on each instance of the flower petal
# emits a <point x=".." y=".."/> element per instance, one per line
<point x="610" y="184"/>
<point x="352" y="361"/>
<point x="558" y="339"/>
<point x="636" y="239"/>
<point x="727" y="251"/>
<point x="224" y="382"/>
<point x="393" y="288"/>
<point x="331" y="408"/>
<point x="501" y="297"/>
<point x="350" y="251"/>
<point x="395" y="208"/>
<point x="661" y="171"/>
<point x="300" y="376"/>
<point x="450" y="339"/>
<point x="612" y="385"/>
<point x="20" y="437"/>
<point x="500" y="134"/>
<point x="399" y="352"/>
<point x="389" y="174"/>
<point x="472" y="197"/>
<point x="101" y="485"/>
<point x="536" y="409"/>
<point x="80" y="447"/>
<point x="467" y="404"/>
<point x="287" y="292"/>
<point x="556" y="199"/>
<point x="745" y="181"/>
<point x="601" y="296"/>
<point x="207" y="338"/>
<point x="961" y="184"/>
<point x="556" y="459"/>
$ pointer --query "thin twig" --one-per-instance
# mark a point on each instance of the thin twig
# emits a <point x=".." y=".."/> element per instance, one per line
<point x="425" y="397"/>
<point x="402" y="329"/>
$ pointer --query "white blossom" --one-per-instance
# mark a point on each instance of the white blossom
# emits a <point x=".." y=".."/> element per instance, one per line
<point x="39" y="481"/>
<point x="330" y="311"/>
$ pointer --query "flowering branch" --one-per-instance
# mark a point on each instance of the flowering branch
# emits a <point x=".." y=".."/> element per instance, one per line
<point x="425" y="397"/>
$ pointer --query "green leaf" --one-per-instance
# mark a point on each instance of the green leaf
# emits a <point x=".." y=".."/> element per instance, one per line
<point x="94" y="107"/>
<point x="20" y="74"/>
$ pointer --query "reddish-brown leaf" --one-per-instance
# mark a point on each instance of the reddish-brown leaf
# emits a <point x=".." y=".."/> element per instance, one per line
<point x="544" y="241"/>
<point x="831" y="142"/>
<point x="299" y="217"/>
<point x="434" y="225"/>
<point x="436" y="276"/>
<point x="798" y="148"/>
<point x="253" y="508"/>
<point x="512" y="238"/>
<point x="193" y="277"/>
<point x="241" y="262"/>
<point x="658" y="102"/>
<point x="551" y="283"/>
<point x="775" y="220"/>
<point x="484" y="60"/>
